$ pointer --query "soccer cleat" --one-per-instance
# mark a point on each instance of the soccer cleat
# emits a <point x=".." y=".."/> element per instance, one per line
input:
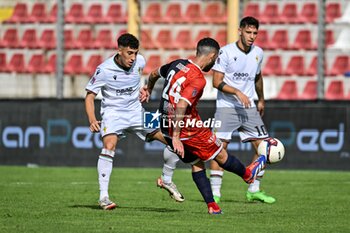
<point x="213" y="208"/>
<point x="107" y="204"/>
<point x="172" y="190"/>
<point x="260" y="196"/>
<point x="255" y="167"/>
<point x="217" y="199"/>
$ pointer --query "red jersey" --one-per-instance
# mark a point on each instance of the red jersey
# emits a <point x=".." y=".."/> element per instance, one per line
<point x="183" y="80"/>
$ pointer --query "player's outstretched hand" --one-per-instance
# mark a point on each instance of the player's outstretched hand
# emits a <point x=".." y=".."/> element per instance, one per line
<point x="95" y="126"/>
<point x="178" y="147"/>
<point x="244" y="99"/>
<point x="144" y="94"/>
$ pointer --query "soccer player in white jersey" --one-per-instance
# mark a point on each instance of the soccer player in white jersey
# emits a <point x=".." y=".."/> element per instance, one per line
<point x="237" y="76"/>
<point x="118" y="80"/>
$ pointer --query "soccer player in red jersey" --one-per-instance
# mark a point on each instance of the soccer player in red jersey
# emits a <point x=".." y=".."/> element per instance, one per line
<point x="182" y="127"/>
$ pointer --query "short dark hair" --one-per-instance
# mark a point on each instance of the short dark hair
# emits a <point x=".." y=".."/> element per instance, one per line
<point x="206" y="46"/>
<point x="249" y="21"/>
<point x="128" y="40"/>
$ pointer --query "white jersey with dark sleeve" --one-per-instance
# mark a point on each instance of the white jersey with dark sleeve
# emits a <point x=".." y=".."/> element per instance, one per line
<point x="240" y="70"/>
<point x="119" y="88"/>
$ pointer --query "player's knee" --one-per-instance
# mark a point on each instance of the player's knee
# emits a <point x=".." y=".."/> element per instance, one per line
<point x="107" y="154"/>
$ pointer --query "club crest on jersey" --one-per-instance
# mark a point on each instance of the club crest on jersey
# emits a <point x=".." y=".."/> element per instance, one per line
<point x="115" y="77"/>
<point x="257" y="59"/>
<point x="235" y="58"/>
<point x="151" y="120"/>
<point x="140" y="70"/>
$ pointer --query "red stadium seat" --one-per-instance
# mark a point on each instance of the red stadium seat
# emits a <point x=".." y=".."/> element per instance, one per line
<point x="29" y="39"/>
<point x="16" y="63"/>
<point x="10" y="39"/>
<point x="214" y="13"/>
<point x="252" y="9"/>
<point x="153" y="13"/>
<point x="95" y="14"/>
<point x="69" y="39"/>
<point x="289" y="13"/>
<point x="47" y="39"/>
<point x="295" y="66"/>
<point x="52" y="16"/>
<point x="310" y="91"/>
<point x="221" y="37"/>
<point x="84" y="40"/>
<point x="312" y="69"/>
<point x="273" y="66"/>
<point x="147" y="41"/>
<point x="183" y="40"/>
<point x="153" y="62"/>
<point x="20" y="14"/>
<point x="173" y="14"/>
<point x="36" y="64"/>
<point x="50" y="66"/>
<point x="202" y="34"/>
<point x="172" y="58"/>
<point x="330" y="40"/>
<point x="303" y="40"/>
<point x="333" y="11"/>
<point x="289" y="91"/>
<point x="335" y="90"/>
<point x="280" y="40"/>
<point x="38" y="13"/>
<point x="75" y="13"/>
<point x="262" y="40"/>
<point x="74" y="65"/>
<point x="270" y="14"/>
<point x="3" y="63"/>
<point x="308" y="13"/>
<point x="340" y="65"/>
<point x="193" y="13"/>
<point x="164" y="39"/>
<point x="104" y="40"/>
<point x="115" y="14"/>
<point x="93" y="62"/>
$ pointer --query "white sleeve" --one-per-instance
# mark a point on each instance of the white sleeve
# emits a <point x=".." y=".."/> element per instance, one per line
<point x="221" y="62"/>
<point x="97" y="81"/>
<point x="258" y="70"/>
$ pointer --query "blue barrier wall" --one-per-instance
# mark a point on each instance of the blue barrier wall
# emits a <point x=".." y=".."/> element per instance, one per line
<point x="56" y="133"/>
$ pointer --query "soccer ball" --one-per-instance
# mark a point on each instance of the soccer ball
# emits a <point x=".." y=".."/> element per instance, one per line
<point x="272" y="148"/>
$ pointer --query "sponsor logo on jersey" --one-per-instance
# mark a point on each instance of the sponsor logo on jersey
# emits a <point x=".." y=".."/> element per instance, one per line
<point x="182" y="68"/>
<point x="242" y="77"/>
<point x="124" y="91"/>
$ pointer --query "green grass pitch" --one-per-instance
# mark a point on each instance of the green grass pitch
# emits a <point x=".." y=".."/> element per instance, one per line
<point x="51" y="199"/>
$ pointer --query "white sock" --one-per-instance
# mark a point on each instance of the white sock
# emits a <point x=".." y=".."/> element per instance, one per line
<point x="255" y="186"/>
<point x="104" y="169"/>
<point x="170" y="161"/>
<point x="216" y="181"/>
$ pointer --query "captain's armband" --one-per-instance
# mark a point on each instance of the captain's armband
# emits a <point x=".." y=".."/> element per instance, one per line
<point x="221" y="86"/>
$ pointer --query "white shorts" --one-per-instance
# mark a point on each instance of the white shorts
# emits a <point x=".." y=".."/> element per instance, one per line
<point x="120" y="123"/>
<point x="247" y="121"/>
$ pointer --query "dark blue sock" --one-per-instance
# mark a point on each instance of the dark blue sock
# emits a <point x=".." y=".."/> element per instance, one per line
<point x="232" y="164"/>
<point x="203" y="184"/>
